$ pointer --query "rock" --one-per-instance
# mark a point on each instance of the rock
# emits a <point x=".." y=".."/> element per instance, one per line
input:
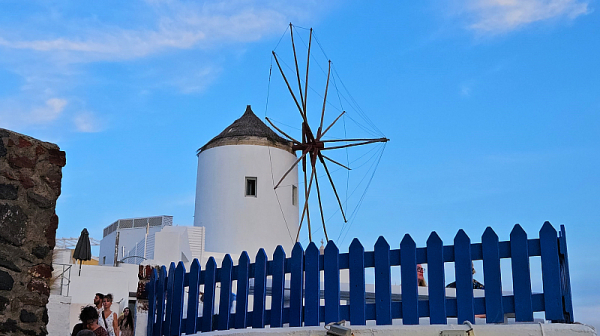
<point x="4" y="301"/>
<point x="39" y="150"/>
<point x="6" y="281"/>
<point x="23" y="143"/>
<point x="8" y="192"/>
<point x="26" y="181"/>
<point x="51" y="231"/>
<point x="57" y="157"/>
<point x="40" y="251"/>
<point x="39" y="200"/>
<point x="16" y="161"/>
<point x="6" y="263"/>
<point x="53" y="180"/>
<point x="45" y="316"/>
<point x="10" y="326"/>
<point x="3" y="150"/>
<point x="13" y="222"/>
<point x="27" y="316"/>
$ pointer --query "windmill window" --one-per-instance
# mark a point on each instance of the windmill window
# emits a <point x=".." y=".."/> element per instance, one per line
<point x="294" y="195"/>
<point x="251" y="186"/>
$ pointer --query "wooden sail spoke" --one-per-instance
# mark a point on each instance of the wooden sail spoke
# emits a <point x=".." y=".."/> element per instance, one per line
<point x="333" y="186"/>
<point x="297" y="70"/>
<point x="324" y="103"/>
<point x="337" y="163"/>
<point x="282" y="132"/>
<point x="357" y="144"/>
<point x="351" y="140"/>
<point x="307" y="62"/>
<point x="333" y="123"/>
<point x="305" y="209"/>
<point x="290" y="88"/>
<point x="321" y="206"/>
<point x="289" y="170"/>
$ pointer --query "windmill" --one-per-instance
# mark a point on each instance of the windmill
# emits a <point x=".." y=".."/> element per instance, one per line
<point x="313" y="145"/>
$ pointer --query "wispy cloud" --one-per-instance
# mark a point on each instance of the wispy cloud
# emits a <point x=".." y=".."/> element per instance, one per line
<point x="87" y="122"/>
<point x="176" y="26"/>
<point x="501" y="16"/>
<point x="55" y="49"/>
<point x="13" y="114"/>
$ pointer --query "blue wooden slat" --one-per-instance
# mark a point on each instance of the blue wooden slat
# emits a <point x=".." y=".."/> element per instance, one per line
<point x="551" y="273"/>
<point x="436" y="278"/>
<point x="225" y="298"/>
<point x="383" y="282"/>
<point x="160" y="301"/>
<point x="169" y="308"/>
<point x="521" y="275"/>
<point x="151" y="291"/>
<point x="494" y="311"/>
<point x="177" y="309"/>
<point x="408" y="272"/>
<point x="277" y="287"/>
<point x="312" y="299"/>
<point x="357" y="283"/>
<point x="178" y="297"/>
<point x="241" y="306"/>
<point x="193" y="298"/>
<point x="332" y="283"/>
<point x="297" y="286"/>
<point x="260" y="289"/>
<point x="565" y="276"/>
<point x="464" y="277"/>
<point x="208" y="309"/>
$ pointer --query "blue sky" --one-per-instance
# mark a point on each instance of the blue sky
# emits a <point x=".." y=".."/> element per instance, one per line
<point x="492" y="107"/>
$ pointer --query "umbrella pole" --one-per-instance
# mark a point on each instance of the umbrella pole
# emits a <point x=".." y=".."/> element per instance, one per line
<point x="80" y="261"/>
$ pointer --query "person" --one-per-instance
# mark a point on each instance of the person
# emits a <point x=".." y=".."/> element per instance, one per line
<point x="98" y="302"/>
<point x="126" y="323"/>
<point x="476" y="284"/>
<point x="86" y="332"/>
<point x="108" y="318"/>
<point x="89" y="318"/>
<point x="420" y="276"/>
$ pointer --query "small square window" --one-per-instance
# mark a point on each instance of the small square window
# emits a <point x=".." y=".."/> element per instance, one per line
<point x="251" y="186"/>
<point x="294" y="195"/>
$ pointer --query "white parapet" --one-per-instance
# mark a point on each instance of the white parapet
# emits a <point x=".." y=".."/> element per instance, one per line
<point x="525" y="329"/>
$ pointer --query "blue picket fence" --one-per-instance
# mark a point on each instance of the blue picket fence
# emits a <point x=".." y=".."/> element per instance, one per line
<point x="166" y="290"/>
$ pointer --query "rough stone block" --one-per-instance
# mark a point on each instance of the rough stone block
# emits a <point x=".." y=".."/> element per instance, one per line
<point x="13" y="222"/>
<point x="8" y="191"/>
<point x="40" y="251"/>
<point x="6" y="281"/>
<point x="27" y="316"/>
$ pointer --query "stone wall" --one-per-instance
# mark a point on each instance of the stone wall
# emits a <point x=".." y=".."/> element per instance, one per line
<point x="30" y="182"/>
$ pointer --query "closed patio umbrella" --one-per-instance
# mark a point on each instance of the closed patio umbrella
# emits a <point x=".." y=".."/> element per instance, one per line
<point x="83" y="250"/>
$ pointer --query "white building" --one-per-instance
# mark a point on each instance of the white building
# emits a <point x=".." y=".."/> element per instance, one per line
<point x="235" y="197"/>
<point x="131" y="237"/>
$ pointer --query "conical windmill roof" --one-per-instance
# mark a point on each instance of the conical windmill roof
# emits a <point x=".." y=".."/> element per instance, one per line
<point x="247" y="130"/>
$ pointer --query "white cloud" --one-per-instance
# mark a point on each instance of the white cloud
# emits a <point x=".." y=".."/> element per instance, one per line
<point x="15" y="115"/>
<point x="49" y="112"/>
<point x="500" y="16"/>
<point x="177" y="26"/>
<point x="87" y="122"/>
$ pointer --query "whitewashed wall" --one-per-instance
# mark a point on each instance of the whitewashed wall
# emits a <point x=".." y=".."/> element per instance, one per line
<point x="235" y="222"/>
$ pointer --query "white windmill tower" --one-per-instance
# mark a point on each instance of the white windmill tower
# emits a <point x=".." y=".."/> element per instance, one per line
<point x="235" y="198"/>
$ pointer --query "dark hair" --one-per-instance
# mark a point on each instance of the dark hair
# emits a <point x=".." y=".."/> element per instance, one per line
<point x="100" y="295"/>
<point x="108" y="297"/>
<point x="88" y="314"/>
<point x="128" y="319"/>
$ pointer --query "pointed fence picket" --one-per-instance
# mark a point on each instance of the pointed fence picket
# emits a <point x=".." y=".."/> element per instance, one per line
<point x="292" y="285"/>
